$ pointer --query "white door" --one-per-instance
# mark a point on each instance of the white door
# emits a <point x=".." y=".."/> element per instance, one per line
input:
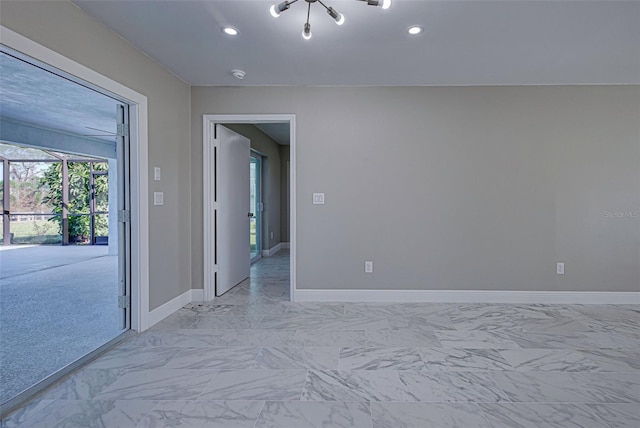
<point x="232" y="181"/>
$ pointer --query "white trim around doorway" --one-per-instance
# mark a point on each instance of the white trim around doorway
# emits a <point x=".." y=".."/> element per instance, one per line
<point x="209" y="121"/>
<point x="139" y="161"/>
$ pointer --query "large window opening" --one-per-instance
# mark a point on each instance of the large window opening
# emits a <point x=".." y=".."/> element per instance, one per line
<point x="65" y="231"/>
<point x="39" y="184"/>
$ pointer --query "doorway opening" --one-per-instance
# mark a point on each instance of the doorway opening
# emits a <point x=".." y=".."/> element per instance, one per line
<point x="255" y="205"/>
<point x="271" y="213"/>
<point x="70" y="281"/>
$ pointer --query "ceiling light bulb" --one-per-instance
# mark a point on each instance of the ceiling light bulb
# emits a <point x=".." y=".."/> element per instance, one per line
<point x="339" y="18"/>
<point x="306" y="33"/>
<point x="276" y="10"/>
<point x="386" y="4"/>
<point x="230" y="31"/>
<point x="415" y="29"/>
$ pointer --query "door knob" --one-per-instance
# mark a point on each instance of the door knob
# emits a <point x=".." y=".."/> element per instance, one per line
<point x="250" y="215"/>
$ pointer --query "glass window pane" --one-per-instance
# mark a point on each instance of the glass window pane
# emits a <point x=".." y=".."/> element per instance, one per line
<point x="13" y="152"/>
<point x="30" y="191"/>
<point x="79" y="188"/>
<point x="101" y="183"/>
<point x="35" y="229"/>
<point x="101" y="229"/>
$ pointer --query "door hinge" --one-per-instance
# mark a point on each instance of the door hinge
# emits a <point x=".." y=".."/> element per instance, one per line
<point x="124" y="302"/>
<point x="124" y="216"/>
<point x="123" y="130"/>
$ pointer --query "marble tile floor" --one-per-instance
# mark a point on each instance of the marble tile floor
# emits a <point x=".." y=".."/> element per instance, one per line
<point x="254" y="359"/>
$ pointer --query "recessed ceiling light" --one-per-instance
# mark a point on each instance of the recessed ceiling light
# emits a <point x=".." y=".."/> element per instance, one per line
<point x="230" y="31"/>
<point x="414" y="29"/>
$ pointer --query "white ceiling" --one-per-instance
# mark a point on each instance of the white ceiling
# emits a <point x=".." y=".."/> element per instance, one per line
<point x="278" y="131"/>
<point x="472" y="42"/>
<point x="32" y="95"/>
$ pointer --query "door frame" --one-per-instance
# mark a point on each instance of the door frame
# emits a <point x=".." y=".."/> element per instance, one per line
<point x="208" y="142"/>
<point x="139" y="170"/>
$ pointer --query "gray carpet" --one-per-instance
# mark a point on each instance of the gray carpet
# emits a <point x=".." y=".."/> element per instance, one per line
<point x="56" y="304"/>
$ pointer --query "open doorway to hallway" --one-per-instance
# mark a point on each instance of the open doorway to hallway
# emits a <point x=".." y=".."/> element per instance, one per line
<point x="269" y="208"/>
<point x="65" y="251"/>
<point x="255" y="205"/>
<point x="269" y="274"/>
<point x="268" y="284"/>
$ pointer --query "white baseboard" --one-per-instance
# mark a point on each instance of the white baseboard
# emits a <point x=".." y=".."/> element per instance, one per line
<point x="270" y="252"/>
<point x="285" y="245"/>
<point x="425" y="296"/>
<point x="163" y="311"/>
<point x="468" y="296"/>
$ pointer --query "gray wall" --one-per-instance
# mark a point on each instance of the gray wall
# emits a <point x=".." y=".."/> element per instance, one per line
<point x="284" y="193"/>
<point x="443" y="188"/>
<point x="266" y="146"/>
<point x="455" y="187"/>
<point x="62" y="27"/>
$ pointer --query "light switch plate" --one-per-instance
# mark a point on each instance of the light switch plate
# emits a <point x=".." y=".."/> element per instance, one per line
<point x="157" y="173"/>
<point x="158" y="198"/>
<point x="560" y="268"/>
<point x="318" y="199"/>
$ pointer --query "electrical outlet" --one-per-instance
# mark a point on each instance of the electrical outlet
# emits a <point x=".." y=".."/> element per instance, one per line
<point x="368" y="267"/>
<point x="158" y="198"/>
<point x="560" y="268"/>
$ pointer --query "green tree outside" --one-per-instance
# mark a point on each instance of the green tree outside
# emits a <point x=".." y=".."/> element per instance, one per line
<point x="79" y="198"/>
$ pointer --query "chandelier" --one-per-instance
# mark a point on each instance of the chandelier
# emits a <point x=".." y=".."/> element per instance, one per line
<point x="277" y="9"/>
